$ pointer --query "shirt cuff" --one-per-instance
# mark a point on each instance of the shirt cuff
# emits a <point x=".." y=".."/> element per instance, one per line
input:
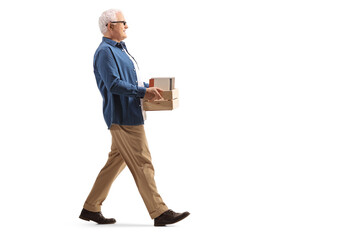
<point x="141" y="92"/>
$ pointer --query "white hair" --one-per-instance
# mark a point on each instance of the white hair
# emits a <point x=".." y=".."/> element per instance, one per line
<point x="106" y="17"/>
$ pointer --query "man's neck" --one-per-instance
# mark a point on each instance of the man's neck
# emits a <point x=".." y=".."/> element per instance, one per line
<point x="109" y="37"/>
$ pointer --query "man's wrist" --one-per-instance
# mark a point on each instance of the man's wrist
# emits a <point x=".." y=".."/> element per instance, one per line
<point x="141" y="92"/>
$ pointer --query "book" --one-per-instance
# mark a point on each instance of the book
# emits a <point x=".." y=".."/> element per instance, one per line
<point x="165" y="83"/>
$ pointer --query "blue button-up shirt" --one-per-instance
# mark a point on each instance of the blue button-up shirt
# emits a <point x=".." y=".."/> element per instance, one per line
<point x="117" y="81"/>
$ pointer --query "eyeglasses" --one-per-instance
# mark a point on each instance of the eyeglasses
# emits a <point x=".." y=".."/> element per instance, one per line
<point x="123" y="22"/>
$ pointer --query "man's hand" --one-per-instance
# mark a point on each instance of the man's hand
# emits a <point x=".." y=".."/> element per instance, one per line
<point x="153" y="93"/>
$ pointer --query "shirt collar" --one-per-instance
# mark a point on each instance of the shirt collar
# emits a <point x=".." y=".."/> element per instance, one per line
<point x="114" y="43"/>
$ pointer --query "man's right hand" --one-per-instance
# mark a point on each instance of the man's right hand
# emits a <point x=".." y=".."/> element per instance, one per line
<point x="153" y="93"/>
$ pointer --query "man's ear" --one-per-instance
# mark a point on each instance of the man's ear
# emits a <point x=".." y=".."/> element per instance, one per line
<point x="110" y="26"/>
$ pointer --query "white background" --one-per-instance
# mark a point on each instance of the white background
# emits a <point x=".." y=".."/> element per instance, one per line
<point x="265" y="144"/>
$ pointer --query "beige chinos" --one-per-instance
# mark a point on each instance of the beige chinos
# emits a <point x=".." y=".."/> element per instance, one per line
<point x="129" y="148"/>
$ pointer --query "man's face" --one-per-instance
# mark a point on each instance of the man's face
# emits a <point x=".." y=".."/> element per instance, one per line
<point x="118" y="30"/>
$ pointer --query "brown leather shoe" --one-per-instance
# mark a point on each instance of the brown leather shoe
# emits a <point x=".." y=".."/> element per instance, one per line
<point x="96" y="217"/>
<point x="169" y="217"/>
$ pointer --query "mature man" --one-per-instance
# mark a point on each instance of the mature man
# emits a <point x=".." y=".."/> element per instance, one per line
<point x="117" y="77"/>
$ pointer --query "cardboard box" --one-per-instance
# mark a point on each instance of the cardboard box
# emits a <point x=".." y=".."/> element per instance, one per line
<point x="170" y="95"/>
<point x="161" y="105"/>
<point x="170" y="102"/>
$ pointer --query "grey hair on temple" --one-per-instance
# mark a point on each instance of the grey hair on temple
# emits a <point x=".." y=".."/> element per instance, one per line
<point x="106" y="17"/>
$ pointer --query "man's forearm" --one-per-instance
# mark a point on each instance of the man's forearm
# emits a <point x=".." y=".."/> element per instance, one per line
<point x="121" y="87"/>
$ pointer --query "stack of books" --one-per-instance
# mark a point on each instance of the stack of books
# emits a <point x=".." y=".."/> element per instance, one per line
<point x="170" y="95"/>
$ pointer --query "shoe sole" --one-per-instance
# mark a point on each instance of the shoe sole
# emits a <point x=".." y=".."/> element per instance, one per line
<point x="178" y="220"/>
<point x="86" y="219"/>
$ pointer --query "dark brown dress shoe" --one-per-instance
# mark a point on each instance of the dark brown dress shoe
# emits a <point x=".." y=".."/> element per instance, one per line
<point x="96" y="217"/>
<point x="169" y="217"/>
